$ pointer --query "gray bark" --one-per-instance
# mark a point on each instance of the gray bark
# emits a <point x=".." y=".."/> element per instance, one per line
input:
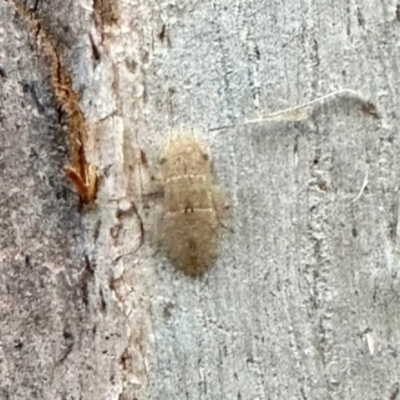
<point x="302" y="302"/>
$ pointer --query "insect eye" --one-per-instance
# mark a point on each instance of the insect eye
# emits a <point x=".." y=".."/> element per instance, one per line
<point x="205" y="156"/>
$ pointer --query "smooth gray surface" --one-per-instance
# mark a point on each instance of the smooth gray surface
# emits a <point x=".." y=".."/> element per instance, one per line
<point x="303" y="300"/>
<point x="309" y="276"/>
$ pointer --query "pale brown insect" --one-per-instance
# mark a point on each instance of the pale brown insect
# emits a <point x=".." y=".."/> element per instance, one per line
<point x="193" y="204"/>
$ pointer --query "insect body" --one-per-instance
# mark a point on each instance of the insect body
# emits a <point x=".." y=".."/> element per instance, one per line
<point x="192" y="204"/>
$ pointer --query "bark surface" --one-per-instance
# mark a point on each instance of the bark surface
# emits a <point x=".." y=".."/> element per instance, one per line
<point x="303" y="300"/>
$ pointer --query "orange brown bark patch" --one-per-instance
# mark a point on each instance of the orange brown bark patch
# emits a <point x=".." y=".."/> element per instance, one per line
<point x="82" y="175"/>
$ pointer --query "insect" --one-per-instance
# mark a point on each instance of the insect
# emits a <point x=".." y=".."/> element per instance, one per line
<point x="193" y="204"/>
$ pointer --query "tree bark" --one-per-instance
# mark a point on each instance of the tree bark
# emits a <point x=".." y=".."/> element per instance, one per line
<point x="302" y="302"/>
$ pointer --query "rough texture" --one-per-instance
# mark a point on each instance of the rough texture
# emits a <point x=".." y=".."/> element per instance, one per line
<point x="303" y="301"/>
<point x="63" y="332"/>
